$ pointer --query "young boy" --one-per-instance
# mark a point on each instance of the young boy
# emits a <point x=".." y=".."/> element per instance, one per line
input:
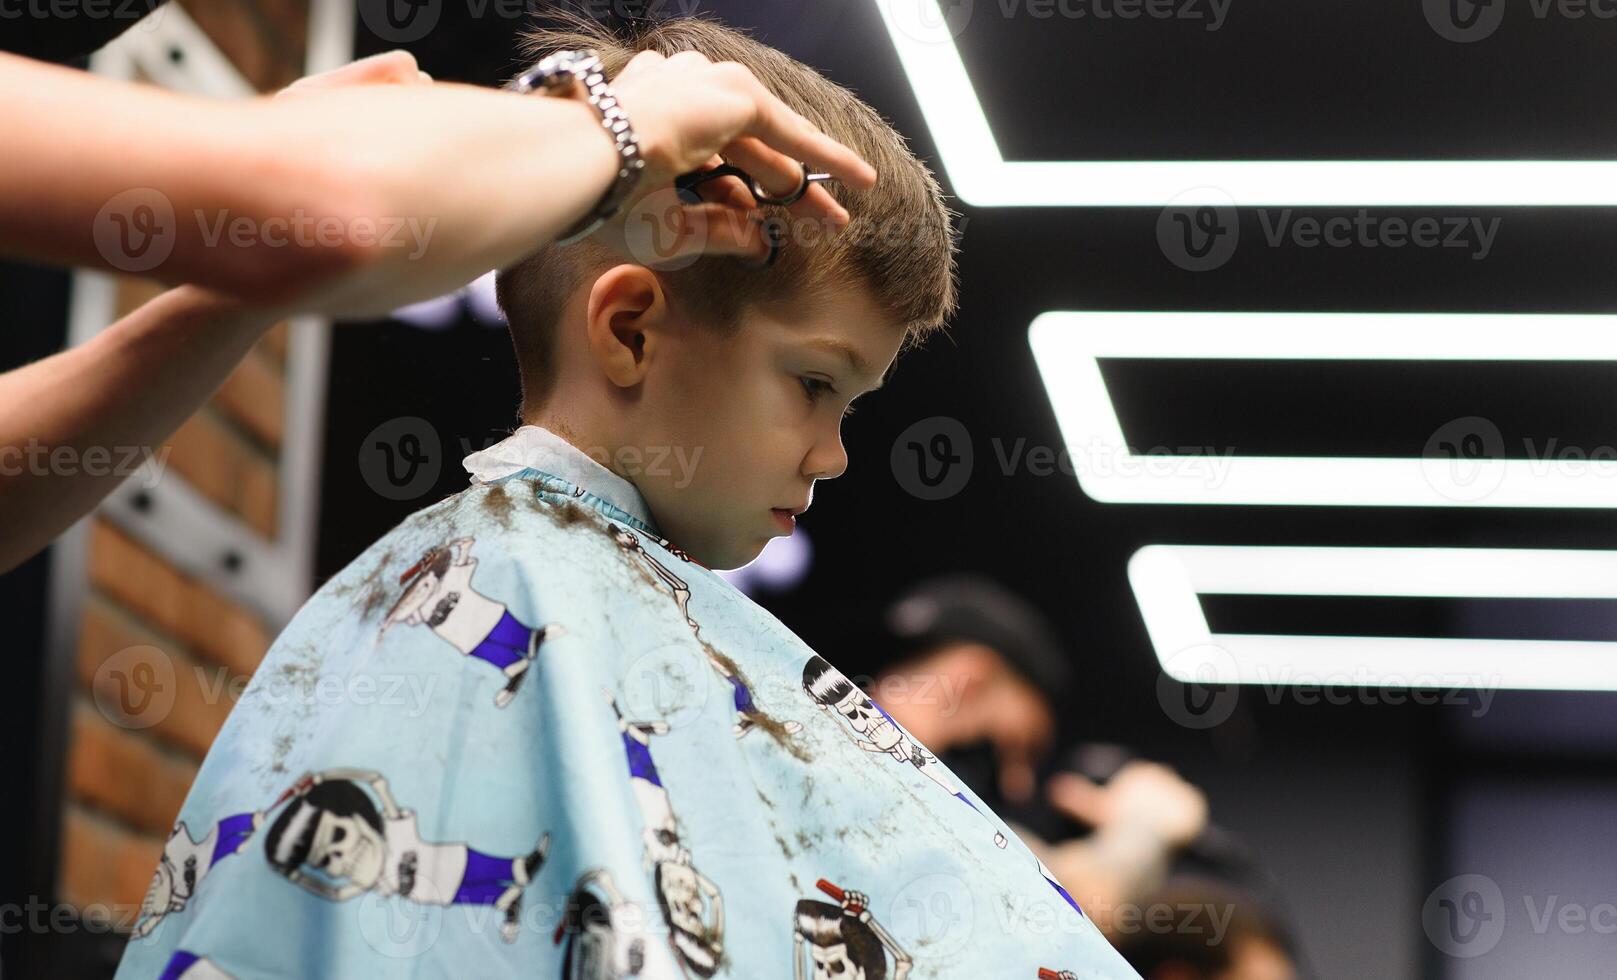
<point x="711" y="798"/>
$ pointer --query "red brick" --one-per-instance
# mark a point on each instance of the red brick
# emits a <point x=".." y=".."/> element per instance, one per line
<point x="254" y="397"/>
<point x="201" y="697"/>
<point x="133" y="292"/>
<point x="225" y="633"/>
<point x="220" y="465"/>
<point x="275" y="341"/>
<point x="125" y="773"/>
<point x="123" y="569"/>
<point x="259" y="499"/>
<point x="210" y="625"/>
<point x="103" y="862"/>
<point x="209" y="459"/>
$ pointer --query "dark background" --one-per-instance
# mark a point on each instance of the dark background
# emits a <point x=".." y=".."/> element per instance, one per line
<point x="1358" y="810"/>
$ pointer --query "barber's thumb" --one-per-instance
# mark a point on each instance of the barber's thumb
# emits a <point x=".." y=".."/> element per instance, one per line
<point x="397" y="67"/>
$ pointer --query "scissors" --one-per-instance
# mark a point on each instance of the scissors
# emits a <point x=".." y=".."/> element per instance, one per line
<point x="685" y="187"/>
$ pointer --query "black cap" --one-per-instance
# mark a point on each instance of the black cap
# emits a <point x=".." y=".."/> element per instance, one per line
<point x="971" y="608"/>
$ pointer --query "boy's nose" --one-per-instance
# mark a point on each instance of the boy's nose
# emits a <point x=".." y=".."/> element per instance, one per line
<point x="827" y="460"/>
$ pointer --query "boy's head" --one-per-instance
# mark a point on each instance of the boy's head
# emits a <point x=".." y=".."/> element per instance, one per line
<point x="716" y="389"/>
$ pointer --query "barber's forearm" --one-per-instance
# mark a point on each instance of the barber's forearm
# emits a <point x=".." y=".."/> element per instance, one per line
<point x="498" y="177"/>
<point x="114" y="175"/>
<point x="70" y="424"/>
<point x="327" y="200"/>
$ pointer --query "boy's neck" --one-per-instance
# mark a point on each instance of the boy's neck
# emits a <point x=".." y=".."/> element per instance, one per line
<point x="586" y="439"/>
<point x="556" y="424"/>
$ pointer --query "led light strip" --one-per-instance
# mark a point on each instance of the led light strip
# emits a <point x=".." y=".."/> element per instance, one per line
<point x="1067" y="346"/>
<point x="924" y="37"/>
<point x="1167" y="580"/>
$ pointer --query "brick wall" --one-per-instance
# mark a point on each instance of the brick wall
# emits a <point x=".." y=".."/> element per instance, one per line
<point x="161" y="653"/>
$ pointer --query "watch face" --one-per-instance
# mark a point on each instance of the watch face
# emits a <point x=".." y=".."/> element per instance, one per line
<point x="557" y="70"/>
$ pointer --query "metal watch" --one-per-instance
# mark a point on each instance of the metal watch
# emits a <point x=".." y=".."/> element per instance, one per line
<point x="554" y="74"/>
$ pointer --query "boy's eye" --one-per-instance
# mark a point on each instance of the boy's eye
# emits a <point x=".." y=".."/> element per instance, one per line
<point x="813" y="388"/>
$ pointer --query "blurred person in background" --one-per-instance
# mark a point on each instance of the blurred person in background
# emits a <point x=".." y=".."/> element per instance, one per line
<point x="978" y="679"/>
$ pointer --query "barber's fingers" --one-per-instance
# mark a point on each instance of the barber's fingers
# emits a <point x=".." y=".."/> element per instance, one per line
<point x="730" y="190"/>
<point x="388" y="68"/>
<point x="686" y="106"/>
<point x="788" y="132"/>
<point x="639" y="65"/>
<point x="780" y="175"/>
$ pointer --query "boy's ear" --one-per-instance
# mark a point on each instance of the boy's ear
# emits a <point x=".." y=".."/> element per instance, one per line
<point x="625" y="316"/>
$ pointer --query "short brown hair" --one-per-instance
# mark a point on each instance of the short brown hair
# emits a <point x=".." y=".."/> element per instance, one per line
<point x="901" y="242"/>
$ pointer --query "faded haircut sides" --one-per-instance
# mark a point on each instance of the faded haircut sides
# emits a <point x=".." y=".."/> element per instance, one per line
<point x="901" y="242"/>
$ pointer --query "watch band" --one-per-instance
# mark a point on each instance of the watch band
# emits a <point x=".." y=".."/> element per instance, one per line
<point x="553" y="74"/>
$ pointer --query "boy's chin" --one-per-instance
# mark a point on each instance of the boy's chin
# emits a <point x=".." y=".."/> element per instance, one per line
<point x="721" y="543"/>
<point x="733" y="556"/>
<point x="730" y="553"/>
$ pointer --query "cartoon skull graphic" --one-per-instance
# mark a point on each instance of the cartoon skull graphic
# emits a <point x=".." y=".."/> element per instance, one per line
<point x="348" y="847"/>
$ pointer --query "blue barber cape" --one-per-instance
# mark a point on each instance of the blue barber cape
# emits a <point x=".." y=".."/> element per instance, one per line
<point x="523" y="735"/>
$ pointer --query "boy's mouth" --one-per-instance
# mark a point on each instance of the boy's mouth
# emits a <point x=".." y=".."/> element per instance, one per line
<point x="784" y="518"/>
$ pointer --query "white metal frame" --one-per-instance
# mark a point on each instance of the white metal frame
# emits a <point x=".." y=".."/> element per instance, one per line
<point x="1167" y="580"/>
<point x="924" y="38"/>
<point x="1067" y="346"/>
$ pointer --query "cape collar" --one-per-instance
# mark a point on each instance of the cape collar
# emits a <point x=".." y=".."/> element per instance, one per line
<point x="557" y="461"/>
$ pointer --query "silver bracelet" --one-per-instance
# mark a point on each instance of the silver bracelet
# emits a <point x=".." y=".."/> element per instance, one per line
<point x="553" y="74"/>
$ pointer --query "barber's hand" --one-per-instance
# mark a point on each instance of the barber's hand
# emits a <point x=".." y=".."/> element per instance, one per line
<point x="688" y="113"/>
<point x="1143" y="797"/>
